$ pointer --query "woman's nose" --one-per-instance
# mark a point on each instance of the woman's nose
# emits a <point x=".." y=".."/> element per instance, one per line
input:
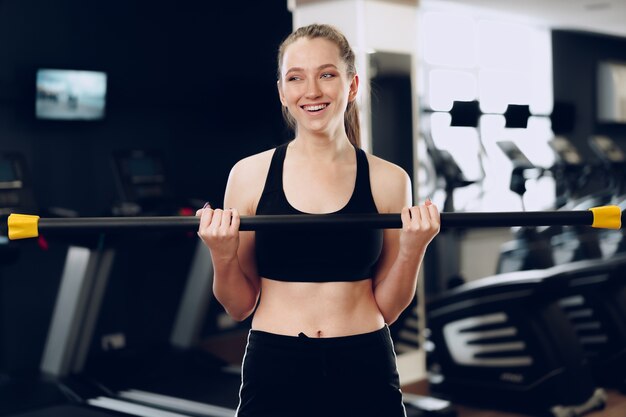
<point x="313" y="89"/>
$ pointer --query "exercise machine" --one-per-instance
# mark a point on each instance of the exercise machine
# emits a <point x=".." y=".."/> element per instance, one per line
<point x="24" y="390"/>
<point x="505" y="342"/>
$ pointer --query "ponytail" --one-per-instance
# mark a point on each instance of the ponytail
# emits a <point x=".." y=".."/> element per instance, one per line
<point x="352" y="124"/>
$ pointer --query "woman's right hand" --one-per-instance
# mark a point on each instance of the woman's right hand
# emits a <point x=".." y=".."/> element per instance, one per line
<point x="219" y="230"/>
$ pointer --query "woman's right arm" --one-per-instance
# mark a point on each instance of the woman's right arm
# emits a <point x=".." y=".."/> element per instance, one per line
<point x="236" y="283"/>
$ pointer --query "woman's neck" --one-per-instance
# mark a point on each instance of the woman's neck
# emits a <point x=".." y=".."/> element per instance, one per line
<point x="322" y="146"/>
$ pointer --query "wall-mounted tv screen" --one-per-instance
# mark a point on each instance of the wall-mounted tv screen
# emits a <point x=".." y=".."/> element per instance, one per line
<point x="70" y="94"/>
<point x="611" y="92"/>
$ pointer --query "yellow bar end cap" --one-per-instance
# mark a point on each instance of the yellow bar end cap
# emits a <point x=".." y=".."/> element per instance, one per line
<point x="607" y="217"/>
<point x="22" y="226"/>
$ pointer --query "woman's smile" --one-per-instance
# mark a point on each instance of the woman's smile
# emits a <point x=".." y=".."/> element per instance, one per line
<point x="315" y="108"/>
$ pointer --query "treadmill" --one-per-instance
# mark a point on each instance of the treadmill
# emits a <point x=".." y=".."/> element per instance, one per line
<point x="442" y="260"/>
<point x="544" y="247"/>
<point x="531" y="248"/>
<point x="613" y="158"/>
<point x="32" y="394"/>
<point x="132" y="324"/>
<point x="576" y="243"/>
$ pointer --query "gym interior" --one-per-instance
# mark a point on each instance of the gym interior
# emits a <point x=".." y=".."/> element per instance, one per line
<point x="140" y="108"/>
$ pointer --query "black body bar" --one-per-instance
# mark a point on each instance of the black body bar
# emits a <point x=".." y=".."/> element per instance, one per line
<point x="24" y="226"/>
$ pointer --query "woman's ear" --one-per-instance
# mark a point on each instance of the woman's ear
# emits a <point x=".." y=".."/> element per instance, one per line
<point x="280" y="93"/>
<point x="354" y="88"/>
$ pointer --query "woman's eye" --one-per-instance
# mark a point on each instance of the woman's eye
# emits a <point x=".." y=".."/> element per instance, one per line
<point x="327" y="75"/>
<point x="293" y="78"/>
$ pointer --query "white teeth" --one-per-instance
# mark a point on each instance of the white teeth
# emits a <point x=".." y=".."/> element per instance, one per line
<point x="315" y="108"/>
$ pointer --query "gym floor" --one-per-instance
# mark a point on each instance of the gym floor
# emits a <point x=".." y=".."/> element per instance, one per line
<point x="230" y="347"/>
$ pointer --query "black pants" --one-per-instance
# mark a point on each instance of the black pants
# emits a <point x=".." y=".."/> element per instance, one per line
<point x="288" y="376"/>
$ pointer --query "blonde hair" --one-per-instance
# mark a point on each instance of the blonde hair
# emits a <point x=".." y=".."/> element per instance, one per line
<point x="351" y="116"/>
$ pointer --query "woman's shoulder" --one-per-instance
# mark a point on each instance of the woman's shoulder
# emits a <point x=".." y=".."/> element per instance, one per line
<point x="380" y="167"/>
<point x="246" y="181"/>
<point x="253" y="164"/>
<point x="391" y="185"/>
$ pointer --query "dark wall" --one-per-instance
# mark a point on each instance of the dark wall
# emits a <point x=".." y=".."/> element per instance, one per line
<point x="575" y="59"/>
<point x="194" y="79"/>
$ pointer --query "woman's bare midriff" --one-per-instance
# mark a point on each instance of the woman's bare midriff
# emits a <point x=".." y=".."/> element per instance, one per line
<point x="327" y="309"/>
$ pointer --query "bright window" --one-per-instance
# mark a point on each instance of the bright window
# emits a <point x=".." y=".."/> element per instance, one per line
<point x="498" y="63"/>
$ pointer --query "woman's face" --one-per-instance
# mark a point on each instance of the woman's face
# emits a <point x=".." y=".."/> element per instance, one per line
<point x="314" y="85"/>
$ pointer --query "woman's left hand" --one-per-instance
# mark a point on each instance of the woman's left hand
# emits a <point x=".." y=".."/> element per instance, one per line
<point x="420" y="224"/>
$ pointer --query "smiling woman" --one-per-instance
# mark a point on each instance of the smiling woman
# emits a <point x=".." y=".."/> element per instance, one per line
<point x="322" y="300"/>
<point x="329" y="46"/>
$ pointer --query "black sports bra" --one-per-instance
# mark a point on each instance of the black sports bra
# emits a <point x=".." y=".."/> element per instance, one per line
<point x="317" y="255"/>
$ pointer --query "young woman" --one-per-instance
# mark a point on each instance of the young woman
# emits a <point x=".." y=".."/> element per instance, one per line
<point x="322" y="299"/>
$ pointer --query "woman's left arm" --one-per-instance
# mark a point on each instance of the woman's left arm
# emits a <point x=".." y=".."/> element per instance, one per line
<point x="395" y="281"/>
